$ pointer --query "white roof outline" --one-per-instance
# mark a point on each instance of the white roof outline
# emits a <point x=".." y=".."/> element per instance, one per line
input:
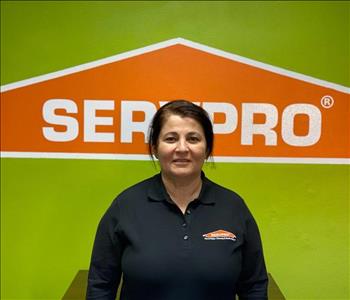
<point x="165" y="44"/>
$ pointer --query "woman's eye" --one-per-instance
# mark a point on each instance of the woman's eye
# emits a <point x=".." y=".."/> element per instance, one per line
<point x="194" y="139"/>
<point x="170" y="139"/>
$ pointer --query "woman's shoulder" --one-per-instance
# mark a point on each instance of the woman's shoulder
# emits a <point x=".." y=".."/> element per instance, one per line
<point x="228" y="200"/>
<point x="216" y="187"/>
<point x="223" y="195"/>
<point x="136" y="191"/>
<point x="138" y="187"/>
<point x="130" y="199"/>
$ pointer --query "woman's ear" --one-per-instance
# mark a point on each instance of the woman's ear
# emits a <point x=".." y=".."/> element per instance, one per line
<point x="207" y="154"/>
<point x="154" y="151"/>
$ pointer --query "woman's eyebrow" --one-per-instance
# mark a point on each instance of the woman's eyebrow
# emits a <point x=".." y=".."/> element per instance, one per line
<point x="170" y="133"/>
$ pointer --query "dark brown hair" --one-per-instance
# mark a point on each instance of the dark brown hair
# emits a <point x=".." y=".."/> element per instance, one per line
<point x="182" y="108"/>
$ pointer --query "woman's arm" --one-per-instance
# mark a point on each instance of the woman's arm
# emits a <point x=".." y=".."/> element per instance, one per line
<point x="105" y="266"/>
<point x="253" y="281"/>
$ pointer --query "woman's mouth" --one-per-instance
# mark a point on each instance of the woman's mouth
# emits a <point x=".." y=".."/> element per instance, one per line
<point x="181" y="161"/>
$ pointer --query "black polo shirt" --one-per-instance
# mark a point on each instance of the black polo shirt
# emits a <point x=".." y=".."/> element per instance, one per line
<point x="212" y="252"/>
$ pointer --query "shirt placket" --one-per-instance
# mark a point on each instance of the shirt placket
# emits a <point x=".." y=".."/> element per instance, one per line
<point x="186" y="226"/>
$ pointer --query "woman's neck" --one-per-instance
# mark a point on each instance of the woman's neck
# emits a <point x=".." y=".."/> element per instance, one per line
<point x="182" y="191"/>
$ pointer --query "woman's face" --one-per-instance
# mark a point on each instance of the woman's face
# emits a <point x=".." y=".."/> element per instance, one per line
<point x="181" y="148"/>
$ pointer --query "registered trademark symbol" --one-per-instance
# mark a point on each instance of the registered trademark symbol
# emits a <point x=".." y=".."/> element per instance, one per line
<point x="327" y="101"/>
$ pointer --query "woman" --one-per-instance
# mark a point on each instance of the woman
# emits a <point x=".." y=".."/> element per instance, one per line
<point x="178" y="235"/>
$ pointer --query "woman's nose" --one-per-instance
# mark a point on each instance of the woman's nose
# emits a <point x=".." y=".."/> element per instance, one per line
<point x="182" y="145"/>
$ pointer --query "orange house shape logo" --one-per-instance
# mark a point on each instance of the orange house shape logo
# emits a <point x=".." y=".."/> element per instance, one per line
<point x="220" y="235"/>
<point x="102" y="109"/>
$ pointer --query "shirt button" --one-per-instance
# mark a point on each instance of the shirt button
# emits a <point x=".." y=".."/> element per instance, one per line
<point x="188" y="212"/>
<point x="184" y="225"/>
<point x="186" y="237"/>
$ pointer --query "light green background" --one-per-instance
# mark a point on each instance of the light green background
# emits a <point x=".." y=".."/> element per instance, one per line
<point x="50" y="208"/>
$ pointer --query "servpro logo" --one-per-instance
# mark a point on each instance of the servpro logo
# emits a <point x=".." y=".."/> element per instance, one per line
<point x="103" y="109"/>
<point x="128" y="126"/>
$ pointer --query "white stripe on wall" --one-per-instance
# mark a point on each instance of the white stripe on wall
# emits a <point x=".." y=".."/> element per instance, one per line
<point x="145" y="157"/>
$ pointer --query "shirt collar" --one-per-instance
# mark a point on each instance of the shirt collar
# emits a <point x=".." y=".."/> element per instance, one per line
<point x="157" y="191"/>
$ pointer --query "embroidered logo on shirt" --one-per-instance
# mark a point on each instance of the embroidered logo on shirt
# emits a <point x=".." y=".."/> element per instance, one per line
<point x="220" y="235"/>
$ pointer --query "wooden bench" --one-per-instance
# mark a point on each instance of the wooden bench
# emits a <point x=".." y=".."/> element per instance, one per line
<point x="77" y="289"/>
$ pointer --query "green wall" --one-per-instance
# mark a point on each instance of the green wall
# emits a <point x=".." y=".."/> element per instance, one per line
<point x="50" y="207"/>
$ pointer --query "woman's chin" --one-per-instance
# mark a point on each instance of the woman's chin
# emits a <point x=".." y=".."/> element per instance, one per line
<point x="183" y="172"/>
